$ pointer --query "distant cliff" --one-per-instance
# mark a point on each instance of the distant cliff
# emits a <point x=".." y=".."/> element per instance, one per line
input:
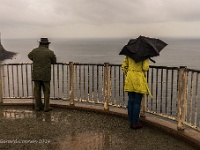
<point x="4" y="54"/>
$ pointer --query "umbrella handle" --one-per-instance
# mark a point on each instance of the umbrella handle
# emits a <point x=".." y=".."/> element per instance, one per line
<point x="152" y="60"/>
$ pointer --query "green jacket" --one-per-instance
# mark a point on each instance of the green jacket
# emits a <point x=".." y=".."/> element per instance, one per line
<point x="136" y="80"/>
<point x="42" y="58"/>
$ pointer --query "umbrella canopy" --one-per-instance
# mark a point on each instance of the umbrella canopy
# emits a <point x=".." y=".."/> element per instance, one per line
<point x="143" y="48"/>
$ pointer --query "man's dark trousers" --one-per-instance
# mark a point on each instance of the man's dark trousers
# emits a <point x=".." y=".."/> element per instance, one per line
<point x="45" y="85"/>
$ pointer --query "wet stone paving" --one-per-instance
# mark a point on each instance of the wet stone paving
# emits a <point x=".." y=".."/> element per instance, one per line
<point x="66" y="129"/>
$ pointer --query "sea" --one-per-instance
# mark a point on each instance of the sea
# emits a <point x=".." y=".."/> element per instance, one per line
<point x="178" y="52"/>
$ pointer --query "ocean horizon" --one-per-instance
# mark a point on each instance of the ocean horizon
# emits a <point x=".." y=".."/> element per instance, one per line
<point x="178" y="52"/>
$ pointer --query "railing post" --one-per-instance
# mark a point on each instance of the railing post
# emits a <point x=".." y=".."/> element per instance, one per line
<point x="181" y="97"/>
<point x="106" y="85"/>
<point x="143" y="106"/>
<point x="1" y="99"/>
<point x="71" y="70"/>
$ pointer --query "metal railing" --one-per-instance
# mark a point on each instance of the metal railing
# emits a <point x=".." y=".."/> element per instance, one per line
<point x="175" y="90"/>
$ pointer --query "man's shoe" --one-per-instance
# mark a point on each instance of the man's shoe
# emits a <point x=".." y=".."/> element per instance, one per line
<point x="48" y="109"/>
<point x="137" y="126"/>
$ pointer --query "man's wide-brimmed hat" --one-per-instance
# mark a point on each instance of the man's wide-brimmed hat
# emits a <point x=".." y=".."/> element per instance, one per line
<point x="44" y="40"/>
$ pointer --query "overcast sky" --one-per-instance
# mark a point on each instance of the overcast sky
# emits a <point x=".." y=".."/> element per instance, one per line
<point x="99" y="18"/>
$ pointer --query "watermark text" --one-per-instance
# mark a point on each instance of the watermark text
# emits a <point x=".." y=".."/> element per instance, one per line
<point x="24" y="141"/>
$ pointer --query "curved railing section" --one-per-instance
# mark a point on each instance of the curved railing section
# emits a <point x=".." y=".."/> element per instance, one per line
<point x="175" y="89"/>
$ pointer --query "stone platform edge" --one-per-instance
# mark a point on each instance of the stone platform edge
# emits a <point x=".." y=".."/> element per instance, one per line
<point x="188" y="135"/>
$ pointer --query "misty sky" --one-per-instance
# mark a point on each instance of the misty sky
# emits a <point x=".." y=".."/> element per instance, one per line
<point x="99" y="18"/>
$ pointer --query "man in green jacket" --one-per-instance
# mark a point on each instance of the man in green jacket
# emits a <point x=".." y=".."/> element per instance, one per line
<point x="42" y="58"/>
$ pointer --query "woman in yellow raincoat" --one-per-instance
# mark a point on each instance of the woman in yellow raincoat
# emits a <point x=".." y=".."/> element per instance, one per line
<point x="136" y="85"/>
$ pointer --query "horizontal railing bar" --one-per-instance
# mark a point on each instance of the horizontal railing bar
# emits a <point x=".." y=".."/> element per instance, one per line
<point x="15" y="64"/>
<point x="193" y="70"/>
<point x="164" y="67"/>
<point x="92" y="64"/>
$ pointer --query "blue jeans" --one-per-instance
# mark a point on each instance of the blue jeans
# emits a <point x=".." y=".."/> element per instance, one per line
<point x="134" y="104"/>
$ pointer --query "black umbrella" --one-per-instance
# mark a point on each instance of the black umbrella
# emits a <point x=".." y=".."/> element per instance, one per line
<point x="142" y="48"/>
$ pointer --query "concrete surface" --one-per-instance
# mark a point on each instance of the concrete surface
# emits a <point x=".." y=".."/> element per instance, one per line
<point x="68" y="129"/>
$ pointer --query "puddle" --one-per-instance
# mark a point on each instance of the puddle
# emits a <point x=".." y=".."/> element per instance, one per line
<point x="75" y="130"/>
<point x="88" y="140"/>
<point x="16" y="114"/>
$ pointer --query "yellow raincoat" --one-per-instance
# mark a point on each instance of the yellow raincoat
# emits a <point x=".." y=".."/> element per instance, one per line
<point x="136" y="80"/>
